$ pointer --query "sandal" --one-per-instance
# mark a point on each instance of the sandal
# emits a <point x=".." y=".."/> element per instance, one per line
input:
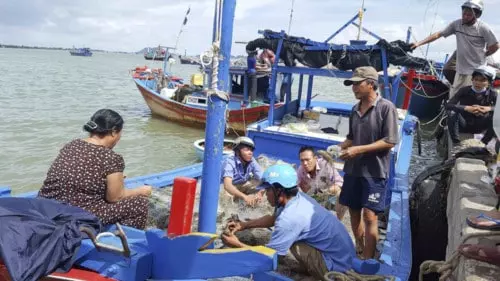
<point x="483" y="253"/>
<point x="487" y="221"/>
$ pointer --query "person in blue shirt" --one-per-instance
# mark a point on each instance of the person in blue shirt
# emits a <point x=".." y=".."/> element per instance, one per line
<point x="315" y="237"/>
<point x="241" y="173"/>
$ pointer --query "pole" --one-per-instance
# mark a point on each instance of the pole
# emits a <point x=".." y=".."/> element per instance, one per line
<point x="181" y="212"/>
<point x="215" y="127"/>
<point x="409" y="83"/>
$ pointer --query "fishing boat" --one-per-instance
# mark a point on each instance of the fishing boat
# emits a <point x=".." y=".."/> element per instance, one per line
<point x="187" y="60"/>
<point x="159" y="53"/>
<point x="156" y="255"/>
<point x="81" y="52"/>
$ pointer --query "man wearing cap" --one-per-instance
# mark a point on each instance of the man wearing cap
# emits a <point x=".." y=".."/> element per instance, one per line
<point x="475" y="42"/>
<point x="241" y="173"/>
<point x="315" y="237"/>
<point x="373" y="131"/>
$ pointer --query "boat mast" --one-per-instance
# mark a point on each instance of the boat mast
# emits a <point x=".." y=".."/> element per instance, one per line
<point x="291" y="16"/>
<point x="361" y="19"/>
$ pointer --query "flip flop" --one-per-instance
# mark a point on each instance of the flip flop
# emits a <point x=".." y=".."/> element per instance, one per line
<point x="484" y="253"/>
<point x="487" y="221"/>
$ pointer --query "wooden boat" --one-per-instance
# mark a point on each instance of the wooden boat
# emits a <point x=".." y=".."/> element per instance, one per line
<point x="192" y="110"/>
<point x="199" y="147"/>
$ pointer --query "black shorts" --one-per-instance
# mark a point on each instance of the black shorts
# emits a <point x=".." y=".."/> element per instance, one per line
<point x="360" y="192"/>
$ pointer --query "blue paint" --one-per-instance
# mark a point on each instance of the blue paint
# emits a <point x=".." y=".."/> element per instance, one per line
<point x="271" y="91"/>
<point x="215" y="129"/>
<point x="386" y="94"/>
<point x="192" y="263"/>
<point x="343" y="27"/>
<point x="5" y="191"/>
<point x="309" y="91"/>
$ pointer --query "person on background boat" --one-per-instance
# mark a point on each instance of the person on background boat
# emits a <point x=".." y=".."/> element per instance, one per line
<point x="88" y="174"/>
<point x="265" y="60"/>
<point x="373" y="131"/>
<point x="252" y="74"/>
<point x="317" y="239"/>
<point x="317" y="176"/>
<point x="471" y="109"/>
<point x="241" y="173"/>
<point x="475" y="42"/>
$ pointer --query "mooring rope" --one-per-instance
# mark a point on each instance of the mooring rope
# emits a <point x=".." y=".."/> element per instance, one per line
<point x="446" y="268"/>
<point x="351" y="275"/>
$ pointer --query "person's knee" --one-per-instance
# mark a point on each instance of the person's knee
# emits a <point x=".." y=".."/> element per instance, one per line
<point x="370" y="217"/>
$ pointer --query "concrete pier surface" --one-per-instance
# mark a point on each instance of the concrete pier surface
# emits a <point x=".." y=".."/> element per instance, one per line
<point x="468" y="195"/>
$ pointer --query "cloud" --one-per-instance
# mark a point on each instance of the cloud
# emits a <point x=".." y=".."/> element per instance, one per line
<point x="129" y="25"/>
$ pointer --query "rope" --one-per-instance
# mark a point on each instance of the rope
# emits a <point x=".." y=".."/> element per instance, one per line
<point x="424" y="96"/>
<point x="351" y="275"/>
<point x="446" y="268"/>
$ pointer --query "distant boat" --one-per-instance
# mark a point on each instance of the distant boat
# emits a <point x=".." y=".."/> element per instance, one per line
<point x="81" y="52"/>
<point x="159" y="53"/>
<point x="186" y="60"/>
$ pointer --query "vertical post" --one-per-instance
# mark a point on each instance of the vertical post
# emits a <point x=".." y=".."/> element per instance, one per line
<point x="245" y="89"/>
<point x="214" y="132"/>
<point x="299" y="95"/>
<point x="214" y="32"/>
<point x="288" y="94"/>
<point x="408" y="35"/>
<point x="181" y="211"/>
<point x="409" y="84"/>
<point x="271" y="91"/>
<point x="309" y="91"/>
<point x="386" y="93"/>
<point x="395" y="86"/>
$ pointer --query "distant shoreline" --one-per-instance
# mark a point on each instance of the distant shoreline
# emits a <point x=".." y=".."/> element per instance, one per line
<point x="7" y="46"/>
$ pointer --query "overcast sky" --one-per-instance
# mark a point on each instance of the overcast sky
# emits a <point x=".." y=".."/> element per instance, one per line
<point x="130" y="25"/>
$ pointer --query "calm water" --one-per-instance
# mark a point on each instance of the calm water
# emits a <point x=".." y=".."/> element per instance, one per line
<point x="47" y="96"/>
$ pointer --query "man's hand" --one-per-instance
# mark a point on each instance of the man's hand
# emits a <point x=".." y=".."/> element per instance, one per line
<point x="231" y="241"/>
<point x="413" y="46"/>
<point x="252" y="200"/>
<point x="235" y="226"/>
<point x="350" y="153"/>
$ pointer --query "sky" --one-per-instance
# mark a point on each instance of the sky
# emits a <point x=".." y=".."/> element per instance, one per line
<point x="130" y="25"/>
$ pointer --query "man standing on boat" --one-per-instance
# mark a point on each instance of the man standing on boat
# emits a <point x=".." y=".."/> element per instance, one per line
<point x="373" y="131"/>
<point x="315" y="237"/>
<point x="241" y="173"/>
<point x="475" y="42"/>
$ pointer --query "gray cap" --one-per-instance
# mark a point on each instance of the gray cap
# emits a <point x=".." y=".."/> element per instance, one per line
<point x="362" y="73"/>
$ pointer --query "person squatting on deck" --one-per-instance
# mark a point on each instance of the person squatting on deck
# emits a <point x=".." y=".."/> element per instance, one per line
<point x="88" y="174"/>
<point x="315" y="237"/>
<point x="471" y="109"/>
<point x="317" y="176"/>
<point x="373" y="131"/>
<point x="473" y="37"/>
<point x="241" y="173"/>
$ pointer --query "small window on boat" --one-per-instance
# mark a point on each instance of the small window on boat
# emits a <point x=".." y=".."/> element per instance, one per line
<point x="202" y="101"/>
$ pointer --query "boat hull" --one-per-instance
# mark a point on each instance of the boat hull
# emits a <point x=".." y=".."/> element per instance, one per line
<point x="237" y="120"/>
<point x="427" y="97"/>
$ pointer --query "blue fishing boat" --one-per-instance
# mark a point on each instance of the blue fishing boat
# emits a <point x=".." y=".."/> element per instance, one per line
<point x="81" y="52"/>
<point x="153" y="255"/>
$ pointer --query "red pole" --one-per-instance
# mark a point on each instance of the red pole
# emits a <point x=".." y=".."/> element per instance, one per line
<point x="409" y="88"/>
<point x="181" y="210"/>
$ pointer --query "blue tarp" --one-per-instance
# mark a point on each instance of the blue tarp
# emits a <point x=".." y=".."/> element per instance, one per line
<point x="39" y="236"/>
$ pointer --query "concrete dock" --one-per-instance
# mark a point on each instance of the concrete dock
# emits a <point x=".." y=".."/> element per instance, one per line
<point x="469" y="196"/>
